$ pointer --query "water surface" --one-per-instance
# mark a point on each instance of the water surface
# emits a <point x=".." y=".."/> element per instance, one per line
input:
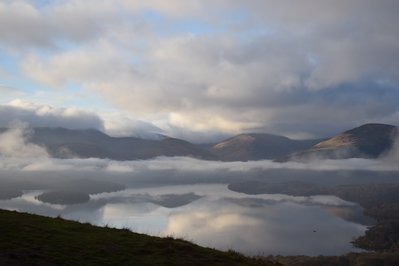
<point x="213" y="216"/>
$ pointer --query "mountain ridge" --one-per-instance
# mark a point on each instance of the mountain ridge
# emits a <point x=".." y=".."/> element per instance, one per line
<point x="366" y="141"/>
<point x="257" y="146"/>
<point x="91" y="143"/>
<point x="370" y="141"/>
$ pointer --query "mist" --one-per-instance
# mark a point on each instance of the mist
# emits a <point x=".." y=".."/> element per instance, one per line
<point x="14" y="142"/>
<point x="190" y="198"/>
<point x="28" y="165"/>
<point x="392" y="156"/>
<point x="24" y="165"/>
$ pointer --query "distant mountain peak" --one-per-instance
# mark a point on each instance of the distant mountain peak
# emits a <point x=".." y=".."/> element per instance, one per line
<point x="365" y="134"/>
<point x="366" y="141"/>
<point x="258" y="146"/>
<point x="371" y="128"/>
<point x="92" y="143"/>
<point x="237" y="140"/>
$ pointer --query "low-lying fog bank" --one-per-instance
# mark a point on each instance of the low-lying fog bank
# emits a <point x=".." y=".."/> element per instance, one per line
<point x="189" y="198"/>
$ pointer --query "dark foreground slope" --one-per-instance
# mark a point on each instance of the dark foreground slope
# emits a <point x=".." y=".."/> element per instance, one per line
<point x="34" y="240"/>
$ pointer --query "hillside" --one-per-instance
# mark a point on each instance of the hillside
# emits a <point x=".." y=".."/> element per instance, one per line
<point x="245" y="147"/>
<point x="34" y="240"/>
<point x="66" y="143"/>
<point x="28" y="239"/>
<point x="366" y="141"/>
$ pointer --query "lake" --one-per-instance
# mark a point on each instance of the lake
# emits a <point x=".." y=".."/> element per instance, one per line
<point x="211" y="215"/>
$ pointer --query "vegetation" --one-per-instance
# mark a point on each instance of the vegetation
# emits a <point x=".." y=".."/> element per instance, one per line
<point x="381" y="201"/>
<point x="368" y="195"/>
<point x="384" y="236"/>
<point x="28" y="239"/>
<point x="351" y="259"/>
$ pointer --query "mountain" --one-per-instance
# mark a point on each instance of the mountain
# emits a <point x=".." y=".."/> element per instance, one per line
<point x="256" y="146"/>
<point x="366" y="141"/>
<point x="67" y="143"/>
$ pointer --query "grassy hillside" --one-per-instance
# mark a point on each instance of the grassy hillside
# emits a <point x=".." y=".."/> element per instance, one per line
<point x="28" y="239"/>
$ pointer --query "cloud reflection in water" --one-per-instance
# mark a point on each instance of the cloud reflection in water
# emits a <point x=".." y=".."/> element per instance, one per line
<point x="263" y="224"/>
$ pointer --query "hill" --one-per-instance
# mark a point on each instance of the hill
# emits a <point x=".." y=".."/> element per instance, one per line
<point x="257" y="146"/>
<point x="28" y="239"/>
<point x="65" y="143"/>
<point x="366" y="141"/>
<point x="34" y="240"/>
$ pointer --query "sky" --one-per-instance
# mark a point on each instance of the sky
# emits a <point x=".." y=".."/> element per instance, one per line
<point x="200" y="70"/>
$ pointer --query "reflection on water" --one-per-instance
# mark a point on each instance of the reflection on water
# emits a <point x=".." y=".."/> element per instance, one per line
<point x="211" y="215"/>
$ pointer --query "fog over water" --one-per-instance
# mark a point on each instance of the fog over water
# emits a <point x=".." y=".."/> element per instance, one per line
<point x="189" y="198"/>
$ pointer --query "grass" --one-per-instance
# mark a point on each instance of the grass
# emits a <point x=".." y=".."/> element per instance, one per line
<point x="27" y="239"/>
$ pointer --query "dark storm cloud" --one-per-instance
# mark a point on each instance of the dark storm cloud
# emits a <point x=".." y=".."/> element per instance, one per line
<point x="338" y="109"/>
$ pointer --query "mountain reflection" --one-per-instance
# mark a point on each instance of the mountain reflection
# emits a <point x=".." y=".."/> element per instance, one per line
<point x="211" y="215"/>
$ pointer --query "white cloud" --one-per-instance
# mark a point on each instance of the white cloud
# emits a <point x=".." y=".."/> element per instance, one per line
<point x="186" y="165"/>
<point x="14" y="143"/>
<point x="16" y="18"/>
<point x="119" y="125"/>
<point x="9" y="93"/>
<point x="23" y="25"/>
<point x="38" y="115"/>
<point x="227" y="65"/>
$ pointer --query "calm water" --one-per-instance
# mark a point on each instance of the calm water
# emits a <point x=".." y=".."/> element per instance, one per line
<point x="211" y="215"/>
